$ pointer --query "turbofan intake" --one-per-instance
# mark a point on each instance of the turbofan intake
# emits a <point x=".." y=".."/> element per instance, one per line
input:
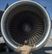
<point x="25" y="24"/>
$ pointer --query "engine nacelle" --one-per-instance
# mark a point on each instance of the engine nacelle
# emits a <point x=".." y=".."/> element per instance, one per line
<point x="25" y="23"/>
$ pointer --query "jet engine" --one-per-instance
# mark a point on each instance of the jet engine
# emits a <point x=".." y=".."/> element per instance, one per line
<point x="25" y="24"/>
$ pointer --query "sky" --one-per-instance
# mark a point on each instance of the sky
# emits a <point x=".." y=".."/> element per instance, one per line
<point x="45" y="3"/>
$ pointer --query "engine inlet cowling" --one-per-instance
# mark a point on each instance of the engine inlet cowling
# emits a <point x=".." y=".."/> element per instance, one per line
<point x="25" y="23"/>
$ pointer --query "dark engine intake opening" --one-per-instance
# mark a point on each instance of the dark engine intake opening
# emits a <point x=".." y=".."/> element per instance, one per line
<point x="25" y="24"/>
<point x="26" y="27"/>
